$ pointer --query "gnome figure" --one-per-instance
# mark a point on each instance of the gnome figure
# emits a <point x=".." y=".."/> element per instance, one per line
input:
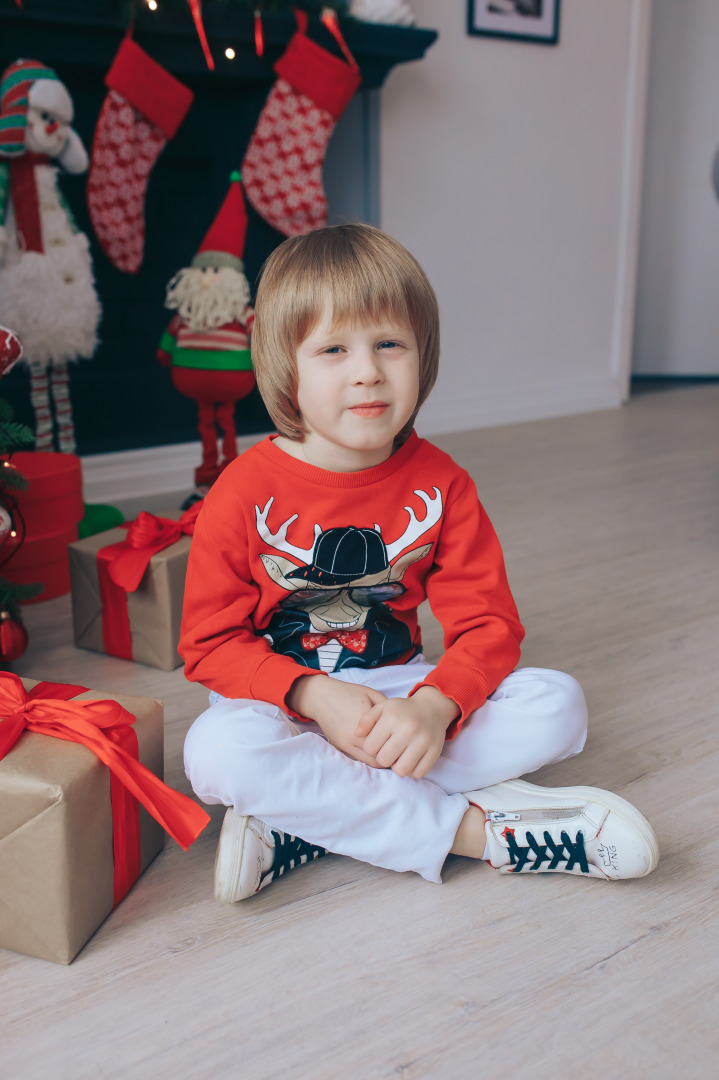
<point x="47" y="288"/>
<point x="207" y="344"/>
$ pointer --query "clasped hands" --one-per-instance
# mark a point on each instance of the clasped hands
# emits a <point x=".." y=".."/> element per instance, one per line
<point x="403" y="734"/>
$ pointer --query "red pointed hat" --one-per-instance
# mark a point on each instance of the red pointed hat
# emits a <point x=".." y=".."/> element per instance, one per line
<point x="224" y="244"/>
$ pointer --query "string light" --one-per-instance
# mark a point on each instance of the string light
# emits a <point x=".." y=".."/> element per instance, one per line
<point x="13" y="533"/>
<point x="152" y="4"/>
<point x="230" y="53"/>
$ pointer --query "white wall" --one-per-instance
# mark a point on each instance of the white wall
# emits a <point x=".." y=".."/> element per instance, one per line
<point x="513" y="172"/>
<point x="677" y="325"/>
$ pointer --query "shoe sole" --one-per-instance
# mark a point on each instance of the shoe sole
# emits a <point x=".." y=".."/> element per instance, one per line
<point x="228" y="860"/>
<point x="608" y="799"/>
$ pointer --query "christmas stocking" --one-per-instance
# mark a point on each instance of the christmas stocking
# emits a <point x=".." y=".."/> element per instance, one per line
<point x="144" y="108"/>
<point x="282" y="170"/>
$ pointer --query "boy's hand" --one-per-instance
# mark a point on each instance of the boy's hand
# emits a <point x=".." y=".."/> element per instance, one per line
<point x="407" y="734"/>
<point x="337" y="707"/>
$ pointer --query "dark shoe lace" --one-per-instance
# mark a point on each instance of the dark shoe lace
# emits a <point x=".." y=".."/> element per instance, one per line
<point x="571" y="852"/>
<point x="291" y="851"/>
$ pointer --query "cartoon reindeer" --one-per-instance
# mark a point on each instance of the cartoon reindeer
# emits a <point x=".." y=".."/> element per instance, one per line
<point x="336" y="615"/>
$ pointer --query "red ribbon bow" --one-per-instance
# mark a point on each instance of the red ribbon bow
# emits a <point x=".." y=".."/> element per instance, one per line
<point x="354" y="640"/>
<point x="121" y="567"/>
<point x="106" y="729"/>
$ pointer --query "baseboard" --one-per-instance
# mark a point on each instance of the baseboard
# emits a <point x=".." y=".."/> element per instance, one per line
<point x="130" y="474"/>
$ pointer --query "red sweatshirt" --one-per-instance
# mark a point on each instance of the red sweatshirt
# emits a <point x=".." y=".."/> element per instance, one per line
<point x="294" y="570"/>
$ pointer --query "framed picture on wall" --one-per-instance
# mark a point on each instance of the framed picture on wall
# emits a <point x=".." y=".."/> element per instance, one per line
<point x="521" y="20"/>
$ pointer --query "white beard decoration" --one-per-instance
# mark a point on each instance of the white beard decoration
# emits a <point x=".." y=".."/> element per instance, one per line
<point x="207" y="298"/>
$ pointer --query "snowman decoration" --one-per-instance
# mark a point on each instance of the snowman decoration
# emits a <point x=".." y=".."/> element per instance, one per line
<point x="47" y="288"/>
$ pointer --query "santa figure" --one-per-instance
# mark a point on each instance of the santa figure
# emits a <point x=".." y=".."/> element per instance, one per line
<point x="207" y="344"/>
<point x="47" y="288"/>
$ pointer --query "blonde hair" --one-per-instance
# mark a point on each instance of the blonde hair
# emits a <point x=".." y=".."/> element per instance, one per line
<point x="355" y="271"/>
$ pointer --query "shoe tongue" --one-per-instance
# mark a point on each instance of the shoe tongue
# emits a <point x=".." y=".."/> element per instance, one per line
<point x="268" y="848"/>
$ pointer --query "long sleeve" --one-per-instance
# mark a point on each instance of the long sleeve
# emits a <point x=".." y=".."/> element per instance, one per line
<point x="218" y="642"/>
<point x="469" y="593"/>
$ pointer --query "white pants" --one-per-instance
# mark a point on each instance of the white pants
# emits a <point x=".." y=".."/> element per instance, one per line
<point x="250" y="755"/>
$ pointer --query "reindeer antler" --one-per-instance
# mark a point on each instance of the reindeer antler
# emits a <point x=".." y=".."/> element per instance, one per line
<point x="416" y="528"/>
<point x="278" y="540"/>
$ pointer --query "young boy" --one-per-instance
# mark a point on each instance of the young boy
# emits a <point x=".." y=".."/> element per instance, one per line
<point x="310" y="558"/>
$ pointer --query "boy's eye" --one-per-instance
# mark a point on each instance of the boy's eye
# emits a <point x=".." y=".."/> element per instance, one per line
<point x="388" y="344"/>
<point x="333" y="349"/>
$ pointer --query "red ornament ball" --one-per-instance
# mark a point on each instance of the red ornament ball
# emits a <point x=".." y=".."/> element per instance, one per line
<point x="10" y="349"/>
<point x="5" y="523"/>
<point x="13" y="637"/>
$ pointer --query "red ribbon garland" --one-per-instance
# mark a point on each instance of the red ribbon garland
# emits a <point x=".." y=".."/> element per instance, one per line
<point x="328" y="17"/>
<point x="121" y="567"/>
<point x="259" y="35"/>
<point x="331" y="22"/>
<point x="196" y="9"/>
<point x="106" y="729"/>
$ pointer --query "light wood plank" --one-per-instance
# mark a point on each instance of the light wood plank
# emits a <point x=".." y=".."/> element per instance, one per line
<point x="609" y="524"/>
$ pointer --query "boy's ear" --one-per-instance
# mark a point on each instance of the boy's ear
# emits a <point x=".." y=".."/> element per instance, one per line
<point x="278" y="568"/>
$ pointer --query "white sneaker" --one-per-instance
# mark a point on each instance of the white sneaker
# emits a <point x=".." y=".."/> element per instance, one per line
<point x="250" y="855"/>
<point x="574" y="830"/>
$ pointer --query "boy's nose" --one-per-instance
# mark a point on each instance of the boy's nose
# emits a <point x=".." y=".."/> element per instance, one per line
<point x="367" y="368"/>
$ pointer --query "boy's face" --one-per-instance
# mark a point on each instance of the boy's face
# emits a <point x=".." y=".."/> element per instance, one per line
<point x="358" y="386"/>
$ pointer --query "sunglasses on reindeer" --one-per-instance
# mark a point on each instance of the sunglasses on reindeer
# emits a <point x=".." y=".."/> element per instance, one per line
<point x="364" y="595"/>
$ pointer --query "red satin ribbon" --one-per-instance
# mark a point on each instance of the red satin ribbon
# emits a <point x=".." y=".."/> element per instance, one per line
<point x="121" y="566"/>
<point x="106" y="729"/>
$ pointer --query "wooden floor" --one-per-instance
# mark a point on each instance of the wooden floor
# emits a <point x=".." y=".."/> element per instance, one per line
<point x="610" y="524"/>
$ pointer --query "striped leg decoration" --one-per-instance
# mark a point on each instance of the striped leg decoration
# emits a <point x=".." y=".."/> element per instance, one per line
<point x="208" y="434"/>
<point x="40" y="398"/>
<point x="60" y="383"/>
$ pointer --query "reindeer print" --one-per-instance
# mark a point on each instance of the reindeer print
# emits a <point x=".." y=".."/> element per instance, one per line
<point x="337" y="613"/>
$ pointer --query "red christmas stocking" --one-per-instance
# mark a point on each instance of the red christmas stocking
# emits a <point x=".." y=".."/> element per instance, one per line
<point x="282" y="170"/>
<point x="143" y="109"/>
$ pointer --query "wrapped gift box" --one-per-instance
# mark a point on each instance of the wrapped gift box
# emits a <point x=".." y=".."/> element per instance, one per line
<point x="58" y="864"/>
<point x="152" y="609"/>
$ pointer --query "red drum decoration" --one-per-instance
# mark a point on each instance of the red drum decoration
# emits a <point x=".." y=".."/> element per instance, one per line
<point x="13" y="637"/>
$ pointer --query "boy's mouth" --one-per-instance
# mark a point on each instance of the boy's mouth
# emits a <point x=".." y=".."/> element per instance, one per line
<point x="370" y="408"/>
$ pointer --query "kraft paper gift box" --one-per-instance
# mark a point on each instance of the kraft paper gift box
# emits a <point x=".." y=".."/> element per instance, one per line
<point x="62" y="866"/>
<point x="142" y="622"/>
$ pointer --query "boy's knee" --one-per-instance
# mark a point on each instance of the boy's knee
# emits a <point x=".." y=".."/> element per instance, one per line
<point x="557" y="701"/>
<point x="220" y="745"/>
<point x="566" y="712"/>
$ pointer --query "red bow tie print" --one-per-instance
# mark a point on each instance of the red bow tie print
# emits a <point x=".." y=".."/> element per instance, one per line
<point x="354" y="640"/>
